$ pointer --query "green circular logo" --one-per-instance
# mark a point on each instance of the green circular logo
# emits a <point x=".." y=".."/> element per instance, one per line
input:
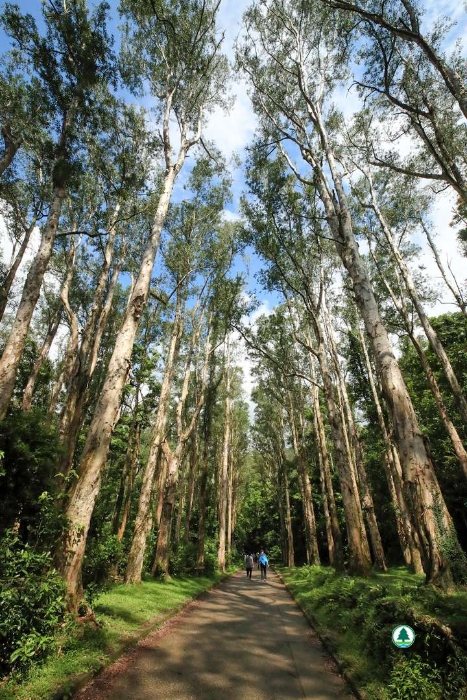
<point x="403" y="636"/>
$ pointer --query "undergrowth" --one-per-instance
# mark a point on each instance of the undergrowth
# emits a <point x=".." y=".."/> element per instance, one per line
<point x="357" y="616"/>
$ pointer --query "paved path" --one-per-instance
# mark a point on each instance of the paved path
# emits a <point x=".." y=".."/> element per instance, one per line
<point x="245" y="640"/>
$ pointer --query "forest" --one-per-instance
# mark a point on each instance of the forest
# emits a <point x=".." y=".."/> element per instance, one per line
<point x="130" y="446"/>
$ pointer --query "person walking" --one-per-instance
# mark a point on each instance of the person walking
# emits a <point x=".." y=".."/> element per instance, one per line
<point x="249" y="565"/>
<point x="264" y="563"/>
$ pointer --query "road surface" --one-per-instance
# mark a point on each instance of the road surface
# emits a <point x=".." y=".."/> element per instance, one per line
<point x="244" y="640"/>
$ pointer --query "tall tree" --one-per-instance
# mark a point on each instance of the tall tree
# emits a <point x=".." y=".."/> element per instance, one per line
<point x="296" y="49"/>
<point x="282" y="234"/>
<point x="173" y="48"/>
<point x="73" y="64"/>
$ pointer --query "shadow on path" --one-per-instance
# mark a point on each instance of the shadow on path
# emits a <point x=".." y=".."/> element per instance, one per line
<point x="244" y="640"/>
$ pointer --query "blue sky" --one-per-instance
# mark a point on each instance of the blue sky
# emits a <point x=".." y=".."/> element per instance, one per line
<point x="233" y="132"/>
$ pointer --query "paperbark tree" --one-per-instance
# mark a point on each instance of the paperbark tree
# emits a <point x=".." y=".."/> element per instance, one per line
<point x="175" y="457"/>
<point x="224" y="463"/>
<point x="372" y="202"/>
<point x="405" y="526"/>
<point x="284" y="499"/>
<point x="176" y="50"/>
<point x="456" y="440"/>
<point x="297" y="51"/>
<point x="206" y="435"/>
<point x="44" y="351"/>
<point x="281" y="234"/>
<point x="192" y="478"/>
<point x="333" y="535"/>
<point x="71" y="62"/>
<point x="143" y="520"/>
<point x="356" y="448"/>
<point x="297" y="431"/>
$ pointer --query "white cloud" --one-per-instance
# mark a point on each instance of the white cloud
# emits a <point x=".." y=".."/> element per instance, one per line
<point x="230" y="22"/>
<point x="233" y="130"/>
<point x="8" y="254"/>
<point x="228" y="215"/>
<point x="448" y="246"/>
<point x="453" y="9"/>
<point x="241" y="356"/>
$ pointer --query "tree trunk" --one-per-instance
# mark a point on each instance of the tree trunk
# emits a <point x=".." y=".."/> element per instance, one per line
<point x="421" y="483"/>
<point x="161" y="478"/>
<point x="175" y="459"/>
<point x="280" y="503"/>
<point x="191" y="486"/>
<point x="204" y="469"/>
<point x="290" y="561"/>
<point x="312" y="553"/>
<point x="85" y="357"/>
<point x="229" y="506"/>
<point x="122" y="506"/>
<point x="336" y="555"/>
<point x="15" y="344"/>
<point x="357" y="452"/>
<point x="431" y="334"/>
<point x="181" y="502"/>
<point x="202" y="501"/>
<point x="143" y="522"/>
<point x="44" y="351"/>
<point x="224" y="466"/>
<point x="162" y="559"/>
<point x="11" y="274"/>
<point x="60" y="381"/>
<point x="359" y="560"/>
<point x="393" y="469"/>
<point x="82" y="500"/>
<point x="451" y="429"/>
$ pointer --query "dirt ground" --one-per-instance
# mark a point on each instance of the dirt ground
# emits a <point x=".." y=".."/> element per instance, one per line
<point x="244" y="640"/>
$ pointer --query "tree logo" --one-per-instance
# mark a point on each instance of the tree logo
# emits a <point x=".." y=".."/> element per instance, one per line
<point x="403" y="636"/>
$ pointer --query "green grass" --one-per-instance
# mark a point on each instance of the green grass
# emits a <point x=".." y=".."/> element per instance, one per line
<point x="125" y="612"/>
<point x="356" y="617"/>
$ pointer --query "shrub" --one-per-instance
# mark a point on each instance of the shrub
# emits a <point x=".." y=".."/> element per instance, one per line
<point x="103" y="556"/>
<point x="412" y="679"/>
<point x="32" y="604"/>
<point x="30" y="451"/>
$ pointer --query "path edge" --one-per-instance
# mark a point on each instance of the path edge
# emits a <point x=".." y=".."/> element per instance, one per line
<point x="69" y="688"/>
<point x="328" y="646"/>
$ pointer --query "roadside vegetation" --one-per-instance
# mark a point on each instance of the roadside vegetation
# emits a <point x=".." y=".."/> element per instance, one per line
<point x="123" y="615"/>
<point x="355" y="617"/>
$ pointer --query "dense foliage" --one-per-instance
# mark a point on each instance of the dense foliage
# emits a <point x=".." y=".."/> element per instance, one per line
<point x="356" y="617"/>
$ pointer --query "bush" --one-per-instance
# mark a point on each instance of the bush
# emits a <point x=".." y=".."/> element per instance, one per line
<point x="30" y="452"/>
<point x="102" y="557"/>
<point x="32" y="604"/>
<point x="412" y="679"/>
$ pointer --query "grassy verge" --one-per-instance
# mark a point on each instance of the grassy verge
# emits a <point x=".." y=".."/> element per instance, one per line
<point x="125" y="613"/>
<point x="356" y="617"/>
